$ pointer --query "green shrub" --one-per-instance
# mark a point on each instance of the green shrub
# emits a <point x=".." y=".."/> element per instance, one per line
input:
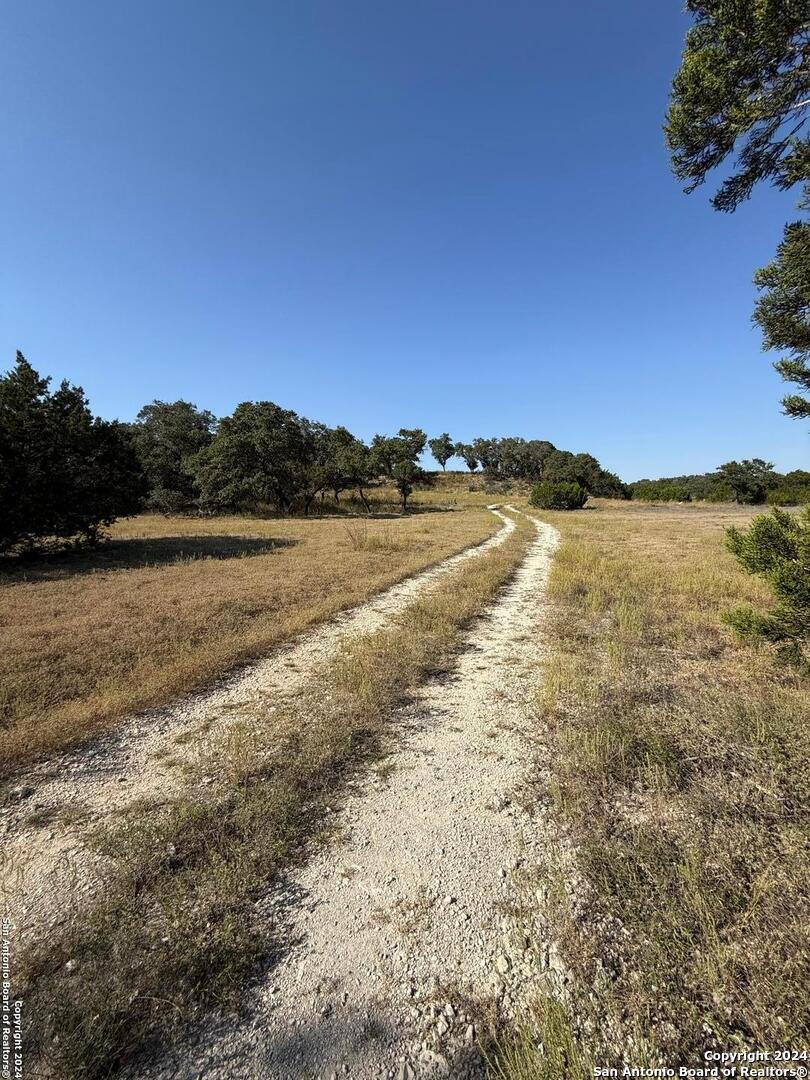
<point x="559" y="496"/>
<point x="661" y="491"/>
<point x="777" y="547"/>
<point x="789" y="496"/>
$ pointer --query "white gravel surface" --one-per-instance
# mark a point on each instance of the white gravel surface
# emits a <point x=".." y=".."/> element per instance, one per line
<point x="404" y="930"/>
<point x="45" y="866"/>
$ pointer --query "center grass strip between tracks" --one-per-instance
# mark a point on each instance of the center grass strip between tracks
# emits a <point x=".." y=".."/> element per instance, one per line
<point x="182" y="923"/>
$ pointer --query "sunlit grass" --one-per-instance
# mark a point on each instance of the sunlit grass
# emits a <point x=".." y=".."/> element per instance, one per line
<point x="678" y="783"/>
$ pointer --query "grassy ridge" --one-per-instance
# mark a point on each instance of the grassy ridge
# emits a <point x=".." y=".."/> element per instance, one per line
<point x="679" y="894"/>
<point x="180" y="923"/>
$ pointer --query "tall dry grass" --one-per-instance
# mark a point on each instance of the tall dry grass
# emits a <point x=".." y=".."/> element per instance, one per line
<point x="168" y="603"/>
<point x="677" y="781"/>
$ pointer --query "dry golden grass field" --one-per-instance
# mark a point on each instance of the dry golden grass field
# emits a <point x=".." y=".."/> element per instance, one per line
<point x="168" y="602"/>
<point x="677" y="784"/>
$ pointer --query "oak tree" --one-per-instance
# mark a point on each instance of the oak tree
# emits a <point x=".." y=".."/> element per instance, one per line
<point x="442" y="449"/>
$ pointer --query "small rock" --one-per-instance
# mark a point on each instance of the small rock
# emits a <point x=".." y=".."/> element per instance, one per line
<point x="434" y="1061"/>
<point x="71" y="966"/>
<point x="442" y="1027"/>
<point x="449" y="900"/>
<point x="502" y="964"/>
<point x="469" y="1034"/>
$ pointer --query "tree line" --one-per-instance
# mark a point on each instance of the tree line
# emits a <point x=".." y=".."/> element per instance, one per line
<point x="752" y="481"/>
<point x="66" y="473"/>
<point x="534" y="460"/>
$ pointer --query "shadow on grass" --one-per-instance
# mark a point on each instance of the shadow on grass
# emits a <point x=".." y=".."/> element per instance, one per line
<point x="132" y="555"/>
<point x="378" y="512"/>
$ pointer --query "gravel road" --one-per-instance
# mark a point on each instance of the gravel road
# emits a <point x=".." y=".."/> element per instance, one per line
<point x="405" y="931"/>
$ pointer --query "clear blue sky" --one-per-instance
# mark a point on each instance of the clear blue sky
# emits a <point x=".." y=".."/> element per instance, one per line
<point x="456" y="214"/>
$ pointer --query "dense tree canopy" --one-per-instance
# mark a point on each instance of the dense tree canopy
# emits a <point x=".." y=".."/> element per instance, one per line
<point x="538" y="459"/>
<point x="167" y="437"/>
<point x="415" y="441"/>
<point x="512" y="458"/>
<point x="469" y="456"/>
<point x="263" y="455"/>
<point x="749" y="479"/>
<point x="348" y="464"/>
<point x="561" y="466"/>
<point x="442" y="449"/>
<point x="63" y="472"/>
<point x="397" y="457"/>
<point x="353" y="465"/>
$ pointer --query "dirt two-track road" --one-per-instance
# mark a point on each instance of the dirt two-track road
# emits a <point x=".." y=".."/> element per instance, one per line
<point x="409" y="927"/>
